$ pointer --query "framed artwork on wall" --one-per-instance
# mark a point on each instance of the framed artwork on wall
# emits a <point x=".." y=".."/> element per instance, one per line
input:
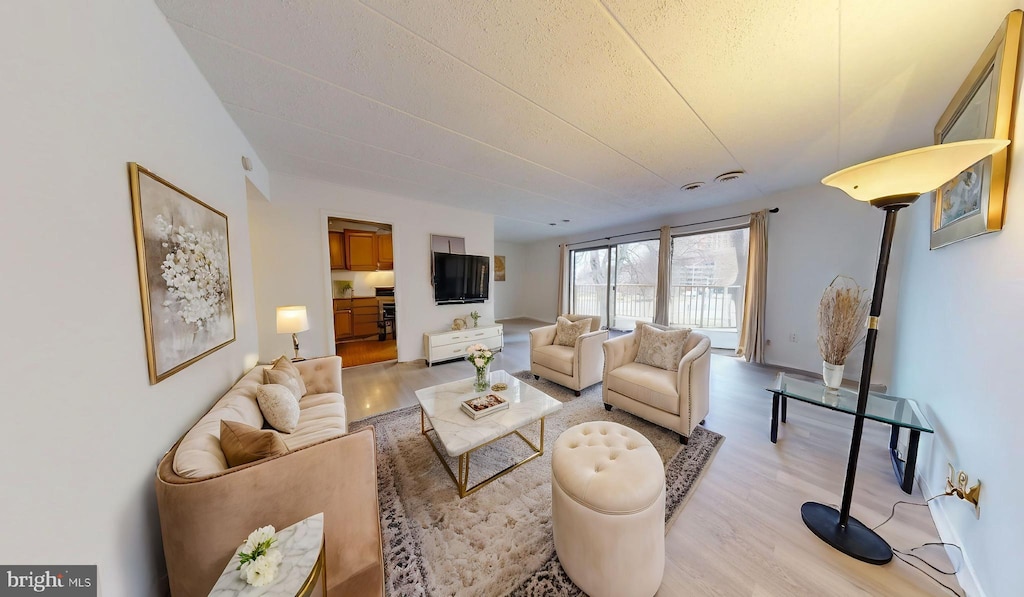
<point x="499" y="268"/>
<point x="973" y="202"/>
<point x="184" y="274"/>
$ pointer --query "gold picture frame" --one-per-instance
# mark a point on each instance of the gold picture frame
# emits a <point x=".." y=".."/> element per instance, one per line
<point x="184" y="260"/>
<point x="973" y="203"/>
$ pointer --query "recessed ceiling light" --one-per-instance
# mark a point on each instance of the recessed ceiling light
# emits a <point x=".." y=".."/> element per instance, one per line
<point x="566" y="221"/>
<point x="729" y="176"/>
<point x="552" y="224"/>
<point x="691" y="186"/>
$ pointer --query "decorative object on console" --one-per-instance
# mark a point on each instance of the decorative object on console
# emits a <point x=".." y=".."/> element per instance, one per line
<point x="972" y="202"/>
<point x="458" y="324"/>
<point x="480" y="357"/>
<point x="184" y="274"/>
<point x="476" y="318"/>
<point x="841" y="315"/>
<point x="890" y="183"/>
<point x="292" y="320"/>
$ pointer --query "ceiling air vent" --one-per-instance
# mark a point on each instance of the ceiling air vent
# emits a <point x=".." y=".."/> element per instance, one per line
<point x="729" y="176"/>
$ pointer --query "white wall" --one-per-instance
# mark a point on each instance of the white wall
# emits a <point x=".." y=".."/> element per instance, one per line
<point x="88" y="87"/>
<point x="508" y="295"/>
<point x="820" y="232"/>
<point x="291" y="261"/>
<point x="958" y="352"/>
<point x="541" y="275"/>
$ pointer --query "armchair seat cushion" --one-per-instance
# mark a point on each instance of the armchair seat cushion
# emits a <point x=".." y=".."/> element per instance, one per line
<point x="650" y="385"/>
<point x="555" y="357"/>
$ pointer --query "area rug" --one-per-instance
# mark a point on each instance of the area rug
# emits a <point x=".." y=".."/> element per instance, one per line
<point x="498" y="540"/>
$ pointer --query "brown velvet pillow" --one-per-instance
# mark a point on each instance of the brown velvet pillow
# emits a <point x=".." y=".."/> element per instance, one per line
<point x="243" y="443"/>
<point x="283" y="371"/>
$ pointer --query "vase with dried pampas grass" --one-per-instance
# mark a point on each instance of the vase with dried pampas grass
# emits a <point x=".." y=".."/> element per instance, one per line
<point x="842" y="314"/>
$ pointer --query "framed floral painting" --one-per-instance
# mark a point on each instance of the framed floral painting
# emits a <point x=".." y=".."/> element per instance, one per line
<point x="184" y="274"/>
<point x="973" y="202"/>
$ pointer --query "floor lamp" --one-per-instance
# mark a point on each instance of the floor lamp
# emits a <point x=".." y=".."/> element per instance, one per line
<point x="889" y="183"/>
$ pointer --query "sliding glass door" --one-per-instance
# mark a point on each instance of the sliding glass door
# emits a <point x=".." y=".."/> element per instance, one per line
<point x="619" y="283"/>
<point x="708" y="277"/>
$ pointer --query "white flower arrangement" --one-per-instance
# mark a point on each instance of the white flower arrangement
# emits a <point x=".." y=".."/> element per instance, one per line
<point x="195" y="271"/>
<point x="258" y="559"/>
<point x="479" y="355"/>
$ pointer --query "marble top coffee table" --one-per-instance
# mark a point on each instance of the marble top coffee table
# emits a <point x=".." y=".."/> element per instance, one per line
<point x="460" y="435"/>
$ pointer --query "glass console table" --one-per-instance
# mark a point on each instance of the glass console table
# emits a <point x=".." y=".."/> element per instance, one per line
<point x="899" y="413"/>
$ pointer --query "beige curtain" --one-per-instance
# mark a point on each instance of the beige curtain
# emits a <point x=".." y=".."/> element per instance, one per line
<point x="751" y="344"/>
<point x="664" y="267"/>
<point x="563" y="280"/>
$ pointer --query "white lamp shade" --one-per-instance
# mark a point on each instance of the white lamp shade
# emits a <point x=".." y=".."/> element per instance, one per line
<point x="291" y="320"/>
<point x="912" y="172"/>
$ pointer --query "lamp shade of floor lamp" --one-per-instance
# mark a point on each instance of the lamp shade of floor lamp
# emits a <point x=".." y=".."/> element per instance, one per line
<point x="292" y="320"/>
<point x="889" y="183"/>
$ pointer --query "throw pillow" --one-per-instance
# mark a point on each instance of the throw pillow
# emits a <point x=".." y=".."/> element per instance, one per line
<point x="566" y="332"/>
<point x="243" y="443"/>
<point x="595" y="321"/>
<point x="279" y="406"/>
<point x="283" y="370"/>
<point x="661" y="348"/>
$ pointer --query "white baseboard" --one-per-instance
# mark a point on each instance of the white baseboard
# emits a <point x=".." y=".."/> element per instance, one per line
<point x="947" y="533"/>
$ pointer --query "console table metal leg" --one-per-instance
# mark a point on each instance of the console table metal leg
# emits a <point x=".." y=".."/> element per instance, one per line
<point x="785" y="402"/>
<point x="775" y="417"/>
<point x="911" y="466"/>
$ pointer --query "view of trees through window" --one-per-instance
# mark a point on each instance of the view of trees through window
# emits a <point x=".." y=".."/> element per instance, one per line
<point x="707" y="279"/>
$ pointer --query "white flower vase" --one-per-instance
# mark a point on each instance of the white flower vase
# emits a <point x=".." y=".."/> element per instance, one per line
<point x="483" y="378"/>
<point x="832" y="374"/>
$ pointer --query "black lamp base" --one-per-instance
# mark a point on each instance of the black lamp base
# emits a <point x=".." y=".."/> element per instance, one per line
<point x="856" y="540"/>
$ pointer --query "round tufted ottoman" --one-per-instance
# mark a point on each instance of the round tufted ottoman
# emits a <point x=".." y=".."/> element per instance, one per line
<point x="608" y="509"/>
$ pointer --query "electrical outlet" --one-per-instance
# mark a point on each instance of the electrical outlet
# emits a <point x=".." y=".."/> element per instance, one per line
<point x="792" y="337"/>
<point x="960" y="488"/>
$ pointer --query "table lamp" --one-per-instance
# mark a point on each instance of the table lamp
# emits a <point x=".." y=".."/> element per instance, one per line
<point x="889" y="183"/>
<point x="292" y="320"/>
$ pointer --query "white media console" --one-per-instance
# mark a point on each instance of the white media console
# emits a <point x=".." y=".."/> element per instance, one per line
<point x="446" y="346"/>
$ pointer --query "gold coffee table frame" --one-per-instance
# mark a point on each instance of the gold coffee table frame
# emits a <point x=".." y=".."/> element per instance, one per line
<point x="462" y="480"/>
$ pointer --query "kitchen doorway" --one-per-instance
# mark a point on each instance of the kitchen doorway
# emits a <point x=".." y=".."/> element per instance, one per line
<point x="365" y="325"/>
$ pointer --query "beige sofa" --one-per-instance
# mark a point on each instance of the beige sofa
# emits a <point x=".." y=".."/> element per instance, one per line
<point x="676" y="400"/>
<point x="575" y="367"/>
<point x="207" y="509"/>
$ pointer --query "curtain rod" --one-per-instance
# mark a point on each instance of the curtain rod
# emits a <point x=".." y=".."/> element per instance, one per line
<point x="773" y="210"/>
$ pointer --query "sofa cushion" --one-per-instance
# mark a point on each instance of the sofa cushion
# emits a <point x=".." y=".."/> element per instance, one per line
<point x="566" y="332"/>
<point x="321" y="416"/>
<point x="283" y="370"/>
<point x="595" y="320"/>
<point x="243" y="443"/>
<point x="651" y="385"/>
<point x="661" y="348"/>
<point x="555" y="357"/>
<point x="279" y="406"/>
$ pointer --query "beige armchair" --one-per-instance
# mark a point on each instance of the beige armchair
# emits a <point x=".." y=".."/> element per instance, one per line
<point x="676" y="400"/>
<point x="575" y="367"/>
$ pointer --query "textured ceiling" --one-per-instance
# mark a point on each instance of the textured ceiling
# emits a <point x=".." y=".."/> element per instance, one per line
<point x="594" y="111"/>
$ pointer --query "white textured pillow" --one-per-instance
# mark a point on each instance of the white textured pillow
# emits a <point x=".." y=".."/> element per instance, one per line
<point x="661" y="348"/>
<point x="566" y="332"/>
<point x="279" y="406"/>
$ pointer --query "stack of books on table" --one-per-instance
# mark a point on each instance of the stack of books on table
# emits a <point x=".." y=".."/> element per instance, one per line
<point x="484" y="405"/>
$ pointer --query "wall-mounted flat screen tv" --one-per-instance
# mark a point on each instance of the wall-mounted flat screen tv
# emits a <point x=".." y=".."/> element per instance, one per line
<point x="461" y="278"/>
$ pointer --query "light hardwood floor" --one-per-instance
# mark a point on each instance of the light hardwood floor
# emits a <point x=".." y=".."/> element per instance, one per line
<point x="740" y="533"/>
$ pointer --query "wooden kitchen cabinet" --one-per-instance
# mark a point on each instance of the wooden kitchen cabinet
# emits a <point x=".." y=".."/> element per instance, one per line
<point x="385" y="252"/>
<point x="355" y="317"/>
<point x="343" y="324"/>
<point x="360" y="250"/>
<point x="337" y="249"/>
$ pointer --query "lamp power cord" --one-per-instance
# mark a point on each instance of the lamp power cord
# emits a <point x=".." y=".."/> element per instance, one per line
<point x="904" y="555"/>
